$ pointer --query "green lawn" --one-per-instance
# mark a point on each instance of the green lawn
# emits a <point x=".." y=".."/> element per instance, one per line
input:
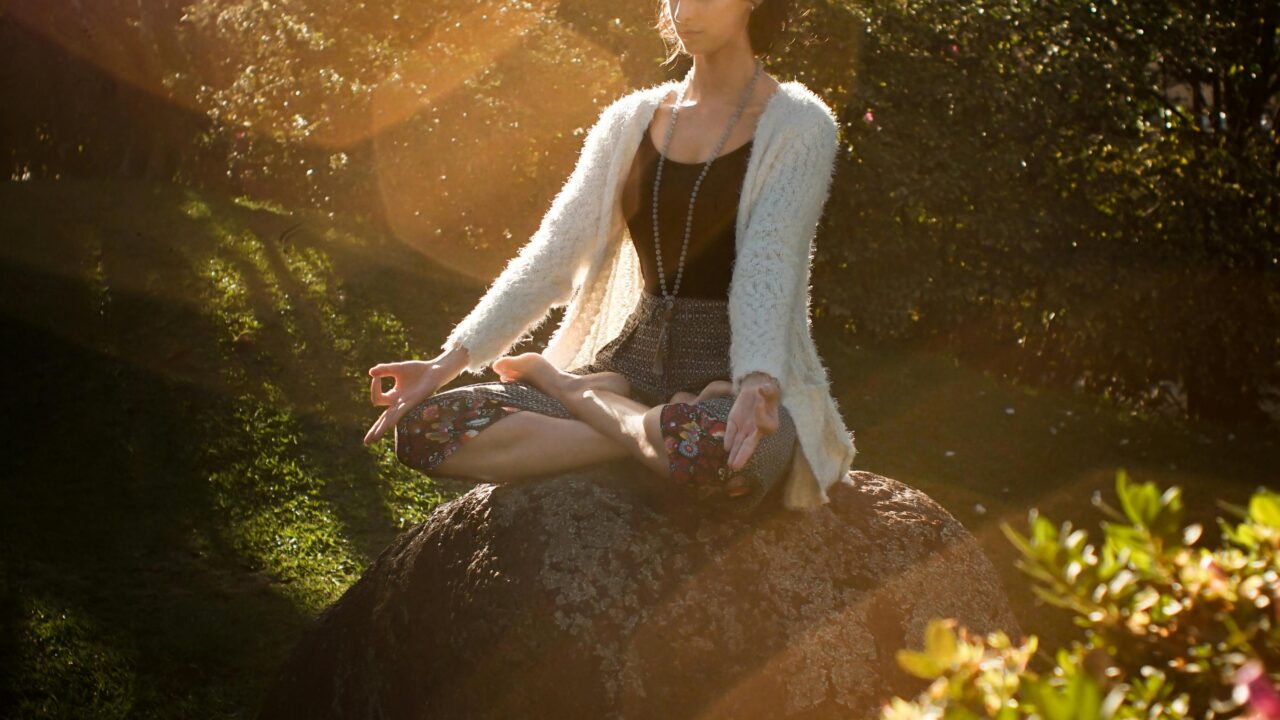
<point x="188" y="393"/>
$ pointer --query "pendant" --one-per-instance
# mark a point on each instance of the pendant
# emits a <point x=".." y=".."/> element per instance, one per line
<point x="660" y="354"/>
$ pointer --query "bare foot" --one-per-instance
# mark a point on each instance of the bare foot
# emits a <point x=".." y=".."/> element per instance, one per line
<point x="683" y="396"/>
<point x="531" y="368"/>
<point x="534" y="369"/>
<point x="716" y="388"/>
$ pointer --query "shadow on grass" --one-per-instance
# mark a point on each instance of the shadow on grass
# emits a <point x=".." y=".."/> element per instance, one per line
<point x="187" y="487"/>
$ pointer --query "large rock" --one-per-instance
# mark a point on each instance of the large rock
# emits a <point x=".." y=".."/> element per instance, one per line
<point x="592" y="595"/>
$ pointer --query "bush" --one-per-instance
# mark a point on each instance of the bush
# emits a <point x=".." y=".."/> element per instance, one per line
<point x="1170" y="629"/>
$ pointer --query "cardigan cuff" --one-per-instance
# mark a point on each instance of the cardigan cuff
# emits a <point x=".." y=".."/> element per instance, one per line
<point x="476" y="365"/>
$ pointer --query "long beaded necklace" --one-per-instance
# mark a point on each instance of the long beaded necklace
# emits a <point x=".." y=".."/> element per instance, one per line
<point x="664" y="337"/>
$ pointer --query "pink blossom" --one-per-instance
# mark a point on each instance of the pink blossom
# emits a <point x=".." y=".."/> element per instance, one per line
<point x="868" y="117"/>
<point x="955" y="49"/>
<point x="1264" y="701"/>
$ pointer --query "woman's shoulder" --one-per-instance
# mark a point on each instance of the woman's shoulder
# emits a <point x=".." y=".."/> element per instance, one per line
<point x="615" y="112"/>
<point x="806" y="108"/>
<point x="654" y="92"/>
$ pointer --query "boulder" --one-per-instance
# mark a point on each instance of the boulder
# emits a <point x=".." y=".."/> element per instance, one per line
<point x="597" y="594"/>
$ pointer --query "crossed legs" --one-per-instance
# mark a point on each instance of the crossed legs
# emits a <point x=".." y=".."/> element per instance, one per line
<point x="602" y="401"/>
<point x="608" y="424"/>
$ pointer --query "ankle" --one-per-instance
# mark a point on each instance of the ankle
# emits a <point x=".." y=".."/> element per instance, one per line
<point x="563" y="384"/>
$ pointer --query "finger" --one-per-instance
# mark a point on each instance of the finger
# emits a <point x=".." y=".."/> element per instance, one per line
<point x="766" y="418"/>
<point x="387" y="420"/>
<point x="383" y="369"/>
<point x="397" y="411"/>
<point x="376" y="396"/>
<point x="375" y="430"/>
<point x="735" y="452"/>
<point x="745" y="431"/>
<point x="743" y="451"/>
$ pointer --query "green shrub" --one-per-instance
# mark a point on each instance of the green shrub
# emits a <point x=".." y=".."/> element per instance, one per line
<point x="1170" y="629"/>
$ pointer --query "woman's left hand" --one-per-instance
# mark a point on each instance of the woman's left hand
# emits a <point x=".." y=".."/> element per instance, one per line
<point x="754" y="415"/>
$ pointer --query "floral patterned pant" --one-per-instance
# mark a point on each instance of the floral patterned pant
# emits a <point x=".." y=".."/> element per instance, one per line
<point x="435" y="430"/>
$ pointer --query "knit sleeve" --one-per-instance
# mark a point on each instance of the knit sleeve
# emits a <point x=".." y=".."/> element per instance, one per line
<point x="773" y="262"/>
<point x="542" y="275"/>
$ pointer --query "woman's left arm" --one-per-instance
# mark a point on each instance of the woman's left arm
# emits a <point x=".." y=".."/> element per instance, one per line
<point x="773" y="265"/>
<point x="771" y="275"/>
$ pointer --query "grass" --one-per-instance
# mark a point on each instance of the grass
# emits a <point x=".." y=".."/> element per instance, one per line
<point x="187" y="487"/>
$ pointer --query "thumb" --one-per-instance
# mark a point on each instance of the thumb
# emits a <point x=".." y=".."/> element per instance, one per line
<point x="384" y="369"/>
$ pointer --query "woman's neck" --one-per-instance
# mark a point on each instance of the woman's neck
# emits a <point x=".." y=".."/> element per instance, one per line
<point x="719" y="78"/>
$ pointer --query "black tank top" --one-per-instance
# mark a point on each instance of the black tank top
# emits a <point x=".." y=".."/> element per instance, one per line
<point x="708" y="263"/>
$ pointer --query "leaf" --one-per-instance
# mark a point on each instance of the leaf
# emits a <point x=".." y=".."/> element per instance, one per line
<point x="1080" y="699"/>
<point x="1264" y="508"/>
<point x="1140" y="501"/>
<point x="940" y="642"/>
<point x="922" y="665"/>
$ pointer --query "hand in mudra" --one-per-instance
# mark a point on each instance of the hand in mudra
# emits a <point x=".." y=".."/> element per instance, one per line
<point x="415" y="381"/>
<point x="754" y="415"/>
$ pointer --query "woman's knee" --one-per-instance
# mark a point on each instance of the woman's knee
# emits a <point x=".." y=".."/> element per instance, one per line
<point x="431" y="437"/>
<point x="693" y="438"/>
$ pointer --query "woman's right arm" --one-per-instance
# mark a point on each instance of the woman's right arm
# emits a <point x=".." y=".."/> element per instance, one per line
<point x="545" y="271"/>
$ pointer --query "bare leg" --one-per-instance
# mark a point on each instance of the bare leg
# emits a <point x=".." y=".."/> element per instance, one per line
<point x="611" y="381"/>
<point x="629" y="423"/>
<point x="717" y="388"/>
<point x="529" y="443"/>
<point x="683" y="397"/>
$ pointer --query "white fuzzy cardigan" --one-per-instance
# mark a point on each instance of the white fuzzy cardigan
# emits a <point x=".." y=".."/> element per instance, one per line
<point x="582" y="256"/>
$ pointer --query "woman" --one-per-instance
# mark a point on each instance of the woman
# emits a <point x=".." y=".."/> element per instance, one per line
<point x="687" y="347"/>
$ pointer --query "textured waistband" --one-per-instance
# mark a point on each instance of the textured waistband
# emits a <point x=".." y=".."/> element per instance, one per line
<point x="695" y="304"/>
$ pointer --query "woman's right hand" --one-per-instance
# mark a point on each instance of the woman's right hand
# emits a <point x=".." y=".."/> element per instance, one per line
<point x="415" y="381"/>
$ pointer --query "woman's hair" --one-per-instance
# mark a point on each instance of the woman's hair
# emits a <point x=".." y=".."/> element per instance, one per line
<point x="765" y="26"/>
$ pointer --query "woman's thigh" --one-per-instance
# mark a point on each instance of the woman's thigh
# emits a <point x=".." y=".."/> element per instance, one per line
<point x="527" y="443"/>
<point x="470" y="434"/>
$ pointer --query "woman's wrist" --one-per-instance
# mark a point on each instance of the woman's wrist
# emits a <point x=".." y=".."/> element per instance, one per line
<point x="454" y="360"/>
<point x="759" y="377"/>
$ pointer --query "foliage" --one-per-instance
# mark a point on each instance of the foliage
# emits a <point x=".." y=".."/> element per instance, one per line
<point x="1170" y="628"/>
<point x="1072" y="192"/>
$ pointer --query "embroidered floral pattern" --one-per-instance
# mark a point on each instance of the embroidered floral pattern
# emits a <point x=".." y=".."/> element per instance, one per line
<point x="431" y="432"/>
<point x="694" y="441"/>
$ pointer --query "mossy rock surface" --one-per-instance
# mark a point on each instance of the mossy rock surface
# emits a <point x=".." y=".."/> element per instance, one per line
<point x="590" y="594"/>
